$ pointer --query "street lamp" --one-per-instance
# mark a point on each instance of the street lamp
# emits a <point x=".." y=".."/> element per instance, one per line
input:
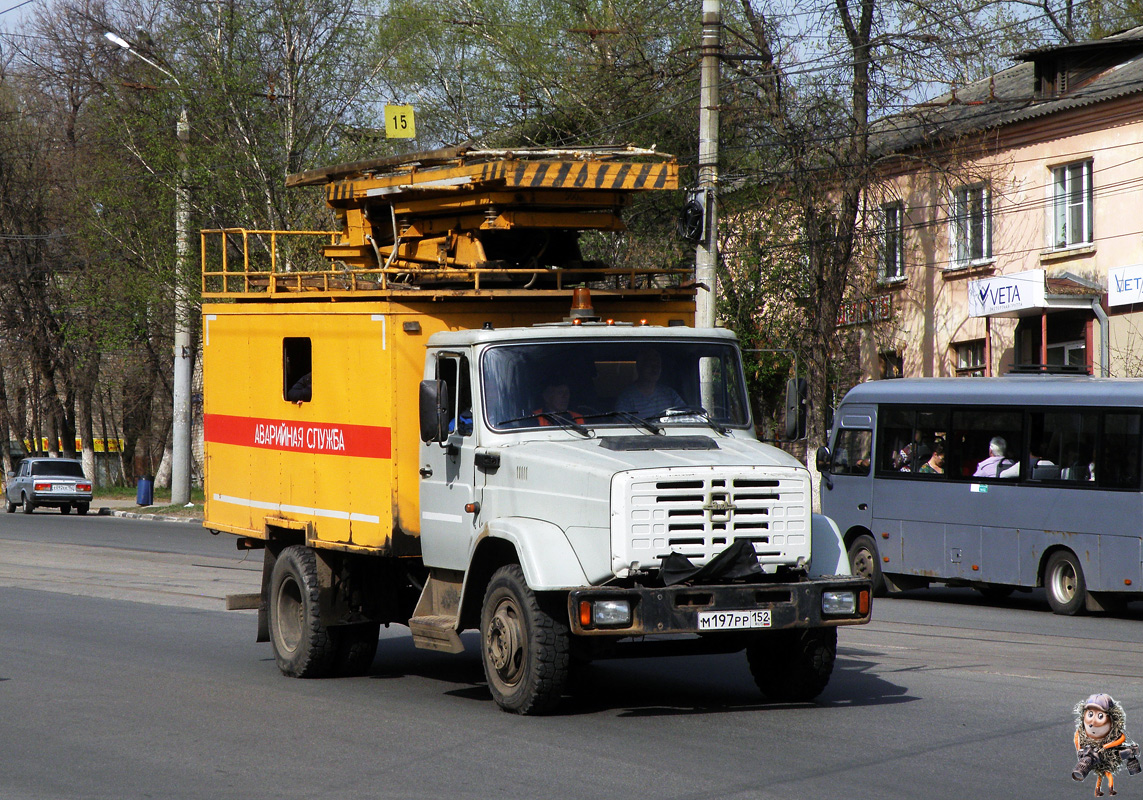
<point x="180" y="388"/>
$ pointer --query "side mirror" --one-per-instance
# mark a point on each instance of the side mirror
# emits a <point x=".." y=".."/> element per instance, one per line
<point x="11" y="473"/>
<point x="796" y="390"/>
<point x="823" y="460"/>
<point x="434" y="411"/>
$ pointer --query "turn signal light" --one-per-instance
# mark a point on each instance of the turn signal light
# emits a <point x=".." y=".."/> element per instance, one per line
<point x="585" y="613"/>
<point x="863" y="603"/>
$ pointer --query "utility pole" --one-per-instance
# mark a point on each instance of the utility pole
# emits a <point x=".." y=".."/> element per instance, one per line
<point x="706" y="254"/>
<point x="180" y="389"/>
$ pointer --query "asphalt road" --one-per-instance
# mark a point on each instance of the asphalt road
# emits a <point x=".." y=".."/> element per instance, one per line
<point x="121" y="677"/>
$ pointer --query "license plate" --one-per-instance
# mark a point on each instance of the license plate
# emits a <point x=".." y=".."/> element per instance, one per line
<point x="63" y="487"/>
<point x="733" y="620"/>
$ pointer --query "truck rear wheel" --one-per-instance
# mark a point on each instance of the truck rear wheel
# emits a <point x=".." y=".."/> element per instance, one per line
<point x="302" y="645"/>
<point x="792" y="666"/>
<point x="525" y="649"/>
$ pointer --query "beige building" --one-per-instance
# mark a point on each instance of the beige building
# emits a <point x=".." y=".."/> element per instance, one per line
<point x="1007" y="228"/>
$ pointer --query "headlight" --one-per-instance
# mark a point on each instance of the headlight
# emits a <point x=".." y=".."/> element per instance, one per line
<point x="838" y="602"/>
<point x="605" y="613"/>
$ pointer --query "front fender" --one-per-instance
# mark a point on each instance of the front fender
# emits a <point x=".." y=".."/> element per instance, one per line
<point x="828" y="555"/>
<point x="546" y="556"/>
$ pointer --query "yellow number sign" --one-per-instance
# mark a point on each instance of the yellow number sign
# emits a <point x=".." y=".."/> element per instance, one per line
<point x="399" y="123"/>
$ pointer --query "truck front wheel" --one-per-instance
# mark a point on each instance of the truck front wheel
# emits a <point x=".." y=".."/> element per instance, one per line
<point x="525" y="649"/>
<point x="302" y="644"/>
<point x="793" y="666"/>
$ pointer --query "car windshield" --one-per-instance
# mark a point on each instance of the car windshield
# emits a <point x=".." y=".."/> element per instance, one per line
<point x="68" y="469"/>
<point x="613" y="383"/>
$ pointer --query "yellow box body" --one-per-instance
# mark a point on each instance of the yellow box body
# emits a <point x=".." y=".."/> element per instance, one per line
<point x="343" y="467"/>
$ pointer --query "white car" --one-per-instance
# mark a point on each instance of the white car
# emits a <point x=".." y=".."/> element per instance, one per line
<point x="57" y="482"/>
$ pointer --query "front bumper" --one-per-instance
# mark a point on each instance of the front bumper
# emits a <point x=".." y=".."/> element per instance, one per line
<point x="675" y="609"/>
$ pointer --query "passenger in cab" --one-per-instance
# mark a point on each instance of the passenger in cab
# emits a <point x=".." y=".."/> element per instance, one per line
<point x="556" y="396"/>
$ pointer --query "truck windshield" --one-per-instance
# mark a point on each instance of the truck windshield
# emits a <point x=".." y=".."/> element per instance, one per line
<point x="609" y="382"/>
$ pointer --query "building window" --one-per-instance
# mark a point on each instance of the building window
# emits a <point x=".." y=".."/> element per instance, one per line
<point x="970" y="359"/>
<point x="891" y="364"/>
<point x="891" y="262"/>
<point x="1072" y="205"/>
<point x="971" y="235"/>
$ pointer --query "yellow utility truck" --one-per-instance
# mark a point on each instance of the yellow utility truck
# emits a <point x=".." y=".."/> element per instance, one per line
<point x="443" y="416"/>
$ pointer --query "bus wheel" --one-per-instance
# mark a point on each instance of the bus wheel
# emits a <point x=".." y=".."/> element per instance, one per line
<point x="302" y="645"/>
<point x="1064" y="582"/>
<point x="792" y="666"/>
<point x="524" y="649"/>
<point x="864" y="564"/>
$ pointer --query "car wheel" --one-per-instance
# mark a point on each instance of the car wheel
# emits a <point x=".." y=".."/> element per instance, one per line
<point x="27" y="505"/>
<point x="11" y="506"/>
<point x="1064" y="582"/>
<point x="863" y="562"/>
<point x="81" y="508"/>
<point x="302" y="643"/>
<point x="792" y="666"/>
<point x="525" y="649"/>
<point x="65" y="508"/>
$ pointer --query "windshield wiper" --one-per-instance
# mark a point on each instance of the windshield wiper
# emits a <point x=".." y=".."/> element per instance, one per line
<point x="563" y="419"/>
<point x="696" y="411"/>
<point x="632" y="418"/>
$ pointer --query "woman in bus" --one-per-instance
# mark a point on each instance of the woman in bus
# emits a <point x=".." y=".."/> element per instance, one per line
<point x="936" y="463"/>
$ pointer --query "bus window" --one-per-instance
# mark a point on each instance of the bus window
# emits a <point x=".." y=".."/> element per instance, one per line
<point x="851" y="452"/>
<point x="984" y="443"/>
<point x="896" y="434"/>
<point x="1061" y="445"/>
<point x="1118" y="464"/>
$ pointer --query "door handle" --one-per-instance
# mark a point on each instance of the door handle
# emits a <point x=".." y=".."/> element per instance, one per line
<point x="426" y="472"/>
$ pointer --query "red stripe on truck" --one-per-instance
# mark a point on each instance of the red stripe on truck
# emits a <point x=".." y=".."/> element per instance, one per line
<point x="323" y="438"/>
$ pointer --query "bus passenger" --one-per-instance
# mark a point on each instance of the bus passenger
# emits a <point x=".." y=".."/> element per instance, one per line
<point x="936" y="463"/>
<point x="997" y="460"/>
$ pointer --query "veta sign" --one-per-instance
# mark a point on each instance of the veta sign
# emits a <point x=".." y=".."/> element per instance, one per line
<point x="1006" y="293"/>
<point x="1125" y="285"/>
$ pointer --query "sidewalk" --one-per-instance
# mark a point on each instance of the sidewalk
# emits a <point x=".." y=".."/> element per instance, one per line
<point x="128" y="508"/>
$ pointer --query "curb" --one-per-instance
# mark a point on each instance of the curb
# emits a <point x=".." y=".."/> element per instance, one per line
<point x="110" y="512"/>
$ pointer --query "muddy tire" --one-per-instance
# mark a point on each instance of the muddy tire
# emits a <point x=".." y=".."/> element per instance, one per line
<point x="302" y="645"/>
<point x="524" y="648"/>
<point x="792" y="666"/>
<point x="864" y="562"/>
<point x="355" y="647"/>
<point x="1064" y="583"/>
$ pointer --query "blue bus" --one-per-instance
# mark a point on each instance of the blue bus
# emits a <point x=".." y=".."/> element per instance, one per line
<point x="994" y="483"/>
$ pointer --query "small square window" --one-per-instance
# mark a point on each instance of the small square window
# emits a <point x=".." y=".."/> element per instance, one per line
<point x="970" y="359"/>
<point x="297" y="369"/>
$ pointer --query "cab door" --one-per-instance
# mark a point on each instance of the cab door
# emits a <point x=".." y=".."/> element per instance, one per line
<point x="448" y="472"/>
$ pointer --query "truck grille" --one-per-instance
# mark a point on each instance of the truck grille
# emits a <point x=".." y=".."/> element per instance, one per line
<point x="699" y="512"/>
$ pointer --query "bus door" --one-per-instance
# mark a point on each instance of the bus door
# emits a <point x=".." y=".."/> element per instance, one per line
<point x="848" y="501"/>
